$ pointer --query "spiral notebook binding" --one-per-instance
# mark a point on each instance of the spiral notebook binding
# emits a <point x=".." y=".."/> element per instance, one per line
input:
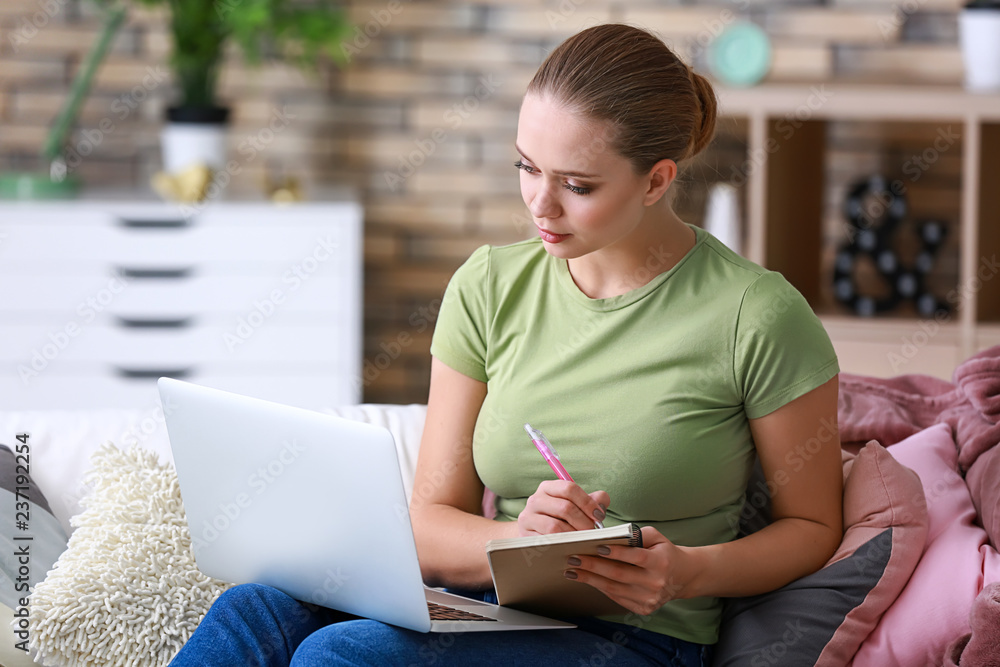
<point x="636" y="539"/>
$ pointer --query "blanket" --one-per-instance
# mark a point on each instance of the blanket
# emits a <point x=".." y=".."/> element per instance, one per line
<point x="981" y="647"/>
<point x="892" y="409"/>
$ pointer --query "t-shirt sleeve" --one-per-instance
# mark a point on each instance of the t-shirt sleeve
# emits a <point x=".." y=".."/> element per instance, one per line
<point x="782" y="349"/>
<point x="459" y="338"/>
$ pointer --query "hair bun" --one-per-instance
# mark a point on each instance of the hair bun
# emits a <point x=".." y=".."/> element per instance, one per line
<point x="702" y="136"/>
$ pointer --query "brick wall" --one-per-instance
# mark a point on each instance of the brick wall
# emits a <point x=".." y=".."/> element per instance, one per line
<point x="422" y="120"/>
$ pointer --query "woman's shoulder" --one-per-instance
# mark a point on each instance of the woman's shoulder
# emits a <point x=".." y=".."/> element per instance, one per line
<point x="492" y="260"/>
<point x="752" y="284"/>
<point x="526" y="250"/>
<point x="726" y="260"/>
<point x="731" y="274"/>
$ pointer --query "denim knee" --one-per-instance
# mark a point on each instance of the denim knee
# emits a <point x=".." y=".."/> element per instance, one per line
<point x="268" y="604"/>
<point x="247" y="626"/>
<point x="356" y="643"/>
<point x="243" y="595"/>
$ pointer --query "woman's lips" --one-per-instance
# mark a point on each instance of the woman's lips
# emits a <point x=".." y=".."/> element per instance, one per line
<point x="550" y="237"/>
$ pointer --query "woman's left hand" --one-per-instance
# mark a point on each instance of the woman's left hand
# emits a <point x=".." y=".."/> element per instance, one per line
<point x="640" y="579"/>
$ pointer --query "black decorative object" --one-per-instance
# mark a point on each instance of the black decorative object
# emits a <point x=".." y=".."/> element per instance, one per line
<point x="875" y="211"/>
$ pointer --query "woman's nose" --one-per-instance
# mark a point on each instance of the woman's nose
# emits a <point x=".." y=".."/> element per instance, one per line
<point x="544" y="204"/>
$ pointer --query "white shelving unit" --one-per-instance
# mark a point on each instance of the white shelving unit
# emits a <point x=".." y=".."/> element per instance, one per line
<point x="99" y="297"/>
<point x="786" y="146"/>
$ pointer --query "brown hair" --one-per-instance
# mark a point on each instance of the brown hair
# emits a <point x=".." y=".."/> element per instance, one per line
<point x="658" y="106"/>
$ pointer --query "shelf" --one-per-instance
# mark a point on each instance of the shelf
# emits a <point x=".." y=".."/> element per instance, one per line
<point x="988" y="335"/>
<point x="785" y="179"/>
<point x="987" y="208"/>
<point x="945" y="331"/>
<point x="885" y="347"/>
<point x="838" y="101"/>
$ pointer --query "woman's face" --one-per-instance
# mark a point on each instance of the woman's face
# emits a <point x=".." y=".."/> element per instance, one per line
<point x="583" y="196"/>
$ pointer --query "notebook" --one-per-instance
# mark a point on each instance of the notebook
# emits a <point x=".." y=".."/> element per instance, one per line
<point x="311" y="504"/>
<point x="528" y="571"/>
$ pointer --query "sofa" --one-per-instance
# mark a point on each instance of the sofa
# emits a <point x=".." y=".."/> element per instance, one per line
<point x="916" y="582"/>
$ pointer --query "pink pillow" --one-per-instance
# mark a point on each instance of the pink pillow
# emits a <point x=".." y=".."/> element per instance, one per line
<point x="878" y="493"/>
<point x="933" y="608"/>
<point x="885" y="523"/>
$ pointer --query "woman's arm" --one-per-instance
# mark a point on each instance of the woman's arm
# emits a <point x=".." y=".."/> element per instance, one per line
<point x="446" y="507"/>
<point x="799" y="449"/>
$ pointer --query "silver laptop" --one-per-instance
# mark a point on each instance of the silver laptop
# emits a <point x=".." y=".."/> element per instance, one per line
<point x="310" y="504"/>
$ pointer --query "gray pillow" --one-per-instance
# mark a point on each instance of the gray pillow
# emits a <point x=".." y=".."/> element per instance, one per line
<point x="793" y="625"/>
<point x="31" y="540"/>
<point x="822" y="618"/>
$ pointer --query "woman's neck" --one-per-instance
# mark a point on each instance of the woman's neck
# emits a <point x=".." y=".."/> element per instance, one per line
<point x="654" y="247"/>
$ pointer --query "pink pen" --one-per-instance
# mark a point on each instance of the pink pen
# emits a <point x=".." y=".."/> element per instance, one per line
<point x="548" y="452"/>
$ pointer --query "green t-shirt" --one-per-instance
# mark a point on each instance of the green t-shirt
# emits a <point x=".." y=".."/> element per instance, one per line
<point x="645" y="395"/>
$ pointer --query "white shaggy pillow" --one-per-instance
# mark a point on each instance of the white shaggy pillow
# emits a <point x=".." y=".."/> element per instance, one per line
<point x="126" y="591"/>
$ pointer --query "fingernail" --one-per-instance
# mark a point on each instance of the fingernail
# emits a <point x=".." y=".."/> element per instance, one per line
<point x="573" y="561"/>
<point x="599" y="514"/>
<point x="570" y="574"/>
<point x="603" y="550"/>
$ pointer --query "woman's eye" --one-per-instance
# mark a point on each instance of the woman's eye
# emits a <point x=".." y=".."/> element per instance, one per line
<point x="575" y="189"/>
<point x="521" y="165"/>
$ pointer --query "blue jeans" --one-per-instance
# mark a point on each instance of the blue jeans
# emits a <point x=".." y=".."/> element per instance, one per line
<point x="258" y="626"/>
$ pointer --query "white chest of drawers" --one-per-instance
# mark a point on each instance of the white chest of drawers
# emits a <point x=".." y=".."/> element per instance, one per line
<point x="99" y="298"/>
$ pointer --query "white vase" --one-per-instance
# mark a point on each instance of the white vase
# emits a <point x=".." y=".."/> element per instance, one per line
<point x="979" y="36"/>
<point x="722" y="216"/>
<point x="191" y="137"/>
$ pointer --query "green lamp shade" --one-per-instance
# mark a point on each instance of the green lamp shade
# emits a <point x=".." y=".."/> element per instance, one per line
<point x="741" y="55"/>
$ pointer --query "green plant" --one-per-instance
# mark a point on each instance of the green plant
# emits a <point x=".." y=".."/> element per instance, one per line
<point x="304" y="31"/>
<point x="114" y="14"/>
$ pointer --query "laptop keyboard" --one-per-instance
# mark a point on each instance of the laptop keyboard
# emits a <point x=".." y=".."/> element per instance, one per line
<point x="440" y="612"/>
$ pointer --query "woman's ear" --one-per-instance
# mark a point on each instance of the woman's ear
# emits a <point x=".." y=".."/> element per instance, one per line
<point x="660" y="177"/>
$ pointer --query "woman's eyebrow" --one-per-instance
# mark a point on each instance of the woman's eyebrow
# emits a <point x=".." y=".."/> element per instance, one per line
<point x="575" y="174"/>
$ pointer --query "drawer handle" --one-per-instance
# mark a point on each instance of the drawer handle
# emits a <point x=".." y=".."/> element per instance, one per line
<point x="154" y="322"/>
<point x="126" y="272"/>
<point x="153" y="223"/>
<point x="147" y="373"/>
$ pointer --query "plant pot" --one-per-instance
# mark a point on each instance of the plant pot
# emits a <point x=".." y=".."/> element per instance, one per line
<point x="194" y="136"/>
<point x="979" y="36"/>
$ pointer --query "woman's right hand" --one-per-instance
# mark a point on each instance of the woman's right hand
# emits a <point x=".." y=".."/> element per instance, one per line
<point x="558" y="506"/>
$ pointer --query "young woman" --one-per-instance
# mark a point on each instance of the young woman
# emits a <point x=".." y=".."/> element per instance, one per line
<point x="658" y="362"/>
